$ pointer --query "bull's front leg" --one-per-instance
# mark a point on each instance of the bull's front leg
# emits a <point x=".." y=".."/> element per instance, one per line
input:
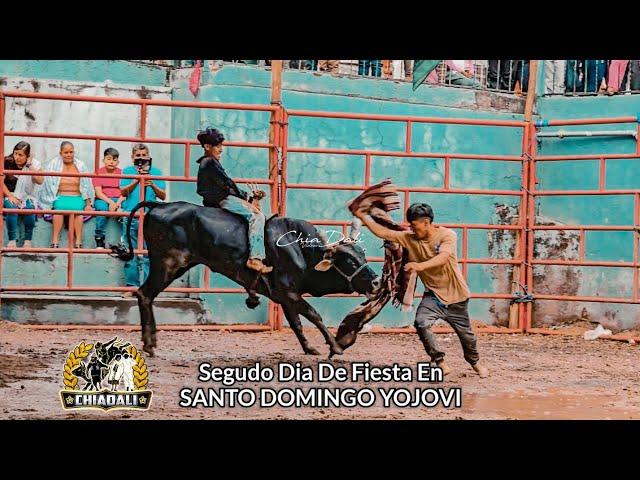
<point x="296" y="325"/>
<point x="314" y="317"/>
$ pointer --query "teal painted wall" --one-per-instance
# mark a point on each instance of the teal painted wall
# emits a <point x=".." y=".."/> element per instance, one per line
<point x="304" y="90"/>
<point x="116" y="71"/>
<point x="309" y="91"/>
<point x="589" y="210"/>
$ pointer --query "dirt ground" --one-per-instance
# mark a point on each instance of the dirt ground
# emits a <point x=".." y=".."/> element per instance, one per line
<point x="532" y="376"/>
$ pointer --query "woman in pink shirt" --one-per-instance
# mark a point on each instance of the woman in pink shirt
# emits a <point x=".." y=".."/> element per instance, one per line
<point x="458" y="72"/>
<point x="108" y="197"/>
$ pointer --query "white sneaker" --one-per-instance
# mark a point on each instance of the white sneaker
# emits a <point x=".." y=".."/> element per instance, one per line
<point x="27" y="244"/>
<point x="11" y="244"/>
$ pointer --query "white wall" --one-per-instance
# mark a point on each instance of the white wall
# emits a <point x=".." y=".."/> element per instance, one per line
<point x="71" y="117"/>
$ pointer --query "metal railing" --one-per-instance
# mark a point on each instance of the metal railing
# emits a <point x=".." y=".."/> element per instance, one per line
<point x="591" y="77"/>
<point x="523" y="260"/>
<point x="70" y="251"/>
<point x="533" y="226"/>
<point x="405" y="192"/>
<point x="504" y="76"/>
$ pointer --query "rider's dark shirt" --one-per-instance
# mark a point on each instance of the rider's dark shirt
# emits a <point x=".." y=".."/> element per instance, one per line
<point x="214" y="185"/>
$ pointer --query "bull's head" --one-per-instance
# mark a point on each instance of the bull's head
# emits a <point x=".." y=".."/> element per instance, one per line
<point x="349" y="263"/>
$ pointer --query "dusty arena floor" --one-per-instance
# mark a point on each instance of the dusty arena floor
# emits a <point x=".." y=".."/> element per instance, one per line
<point x="532" y="377"/>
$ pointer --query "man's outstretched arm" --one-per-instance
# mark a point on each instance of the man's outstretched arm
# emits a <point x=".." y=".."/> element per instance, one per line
<point x="377" y="229"/>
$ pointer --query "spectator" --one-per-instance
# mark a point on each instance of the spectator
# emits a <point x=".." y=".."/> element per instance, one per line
<point x="373" y="66"/>
<point x="387" y="68"/>
<point x="573" y="76"/>
<point x="21" y="191"/>
<point x="107" y="189"/>
<point x="330" y="66"/>
<point x="522" y="77"/>
<point x="595" y="73"/>
<point x="617" y="70"/>
<point x="303" y="64"/>
<point x="585" y="76"/>
<point x="408" y="70"/>
<point x="130" y="189"/>
<point x="460" y="72"/>
<point x="66" y="193"/>
<point x="502" y="74"/>
<point x="554" y="73"/>
<point x="632" y="74"/>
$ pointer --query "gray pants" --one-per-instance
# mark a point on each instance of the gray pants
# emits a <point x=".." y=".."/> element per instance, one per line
<point x="554" y="72"/>
<point x="457" y="315"/>
<point x="408" y="67"/>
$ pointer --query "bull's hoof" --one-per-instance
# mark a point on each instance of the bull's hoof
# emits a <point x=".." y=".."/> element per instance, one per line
<point x="149" y="350"/>
<point x="311" y="351"/>
<point x="335" y="351"/>
<point x="346" y="340"/>
<point x="252" y="302"/>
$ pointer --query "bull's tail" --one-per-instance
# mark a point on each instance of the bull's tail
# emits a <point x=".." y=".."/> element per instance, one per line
<point x="120" y="251"/>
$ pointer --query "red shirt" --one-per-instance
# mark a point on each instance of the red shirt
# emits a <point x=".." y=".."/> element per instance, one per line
<point x="110" y="186"/>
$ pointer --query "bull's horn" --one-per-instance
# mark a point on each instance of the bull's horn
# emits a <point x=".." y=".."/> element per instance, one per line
<point x="325" y="240"/>
<point x="355" y="228"/>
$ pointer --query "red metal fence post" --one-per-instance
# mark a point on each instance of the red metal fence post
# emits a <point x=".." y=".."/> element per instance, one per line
<point x="2" y="108"/>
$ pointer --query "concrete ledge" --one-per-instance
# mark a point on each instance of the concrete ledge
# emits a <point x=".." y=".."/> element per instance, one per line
<point x="94" y="310"/>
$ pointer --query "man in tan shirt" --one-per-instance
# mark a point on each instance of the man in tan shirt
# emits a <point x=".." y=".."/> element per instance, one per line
<point x="432" y="254"/>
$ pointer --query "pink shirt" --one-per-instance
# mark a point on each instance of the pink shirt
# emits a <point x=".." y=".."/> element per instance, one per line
<point x="110" y="186"/>
<point x="460" y="65"/>
<point x="455" y="65"/>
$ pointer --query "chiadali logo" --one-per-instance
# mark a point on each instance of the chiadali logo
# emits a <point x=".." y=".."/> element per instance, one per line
<point x="114" y="373"/>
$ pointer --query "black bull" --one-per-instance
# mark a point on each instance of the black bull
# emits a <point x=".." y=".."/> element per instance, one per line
<point x="181" y="235"/>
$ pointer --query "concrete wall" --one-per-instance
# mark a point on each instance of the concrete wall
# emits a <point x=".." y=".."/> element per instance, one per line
<point x="313" y="91"/>
<point x="587" y="210"/>
<point x="66" y="117"/>
<point x="120" y="72"/>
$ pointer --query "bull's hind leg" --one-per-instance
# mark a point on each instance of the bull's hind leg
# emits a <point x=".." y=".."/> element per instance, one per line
<point x="162" y="271"/>
<point x="296" y="325"/>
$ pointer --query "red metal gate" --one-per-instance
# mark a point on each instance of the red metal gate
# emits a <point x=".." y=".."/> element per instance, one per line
<point x="516" y="323"/>
<point x="71" y="286"/>
<point x="277" y="180"/>
<point x="533" y="227"/>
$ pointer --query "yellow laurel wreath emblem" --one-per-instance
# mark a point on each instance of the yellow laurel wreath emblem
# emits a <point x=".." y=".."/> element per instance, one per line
<point x="140" y="373"/>
<point x="73" y="360"/>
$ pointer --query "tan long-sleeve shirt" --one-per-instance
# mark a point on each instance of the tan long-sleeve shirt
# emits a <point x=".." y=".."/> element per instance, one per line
<point x="446" y="281"/>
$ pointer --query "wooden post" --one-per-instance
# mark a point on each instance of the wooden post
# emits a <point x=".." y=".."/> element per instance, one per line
<point x="275" y="138"/>
<point x="276" y="82"/>
<point x="531" y="90"/>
